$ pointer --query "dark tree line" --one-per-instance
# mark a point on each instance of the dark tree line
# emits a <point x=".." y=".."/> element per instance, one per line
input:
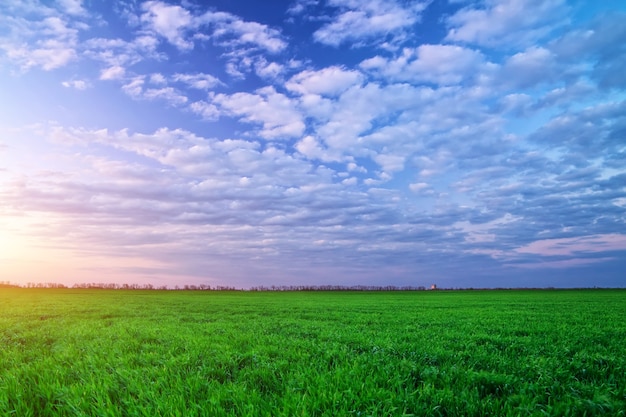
<point x="204" y="287"/>
<point x="338" y="288"/>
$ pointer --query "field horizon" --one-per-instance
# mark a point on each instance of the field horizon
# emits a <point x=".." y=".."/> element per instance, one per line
<point x="295" y="287"/>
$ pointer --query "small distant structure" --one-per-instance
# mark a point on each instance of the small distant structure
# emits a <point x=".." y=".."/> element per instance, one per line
<point x="433" y="286"/>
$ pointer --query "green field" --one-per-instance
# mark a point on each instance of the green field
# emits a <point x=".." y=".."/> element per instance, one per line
<point x="197" y="353"/>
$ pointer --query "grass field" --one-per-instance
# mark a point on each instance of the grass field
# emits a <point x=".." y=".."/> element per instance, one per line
<point x="183" y="353"/>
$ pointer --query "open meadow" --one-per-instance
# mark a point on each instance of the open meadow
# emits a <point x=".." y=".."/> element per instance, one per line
<point x="79" y="352"/>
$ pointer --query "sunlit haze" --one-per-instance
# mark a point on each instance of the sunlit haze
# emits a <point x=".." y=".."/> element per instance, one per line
<point x="313" y="142"/>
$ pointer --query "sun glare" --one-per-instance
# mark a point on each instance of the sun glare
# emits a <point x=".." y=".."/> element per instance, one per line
<point x="24" y="258"/>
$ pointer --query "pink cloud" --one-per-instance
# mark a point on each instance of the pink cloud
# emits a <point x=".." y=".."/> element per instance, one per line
<point x="574" y="245"/>
<point x="567" y="263"/>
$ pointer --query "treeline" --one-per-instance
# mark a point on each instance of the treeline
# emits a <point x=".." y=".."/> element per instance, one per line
<point x="337" y="288"/>
<point x="204" y="287"/>
<point x="114" y="286"/>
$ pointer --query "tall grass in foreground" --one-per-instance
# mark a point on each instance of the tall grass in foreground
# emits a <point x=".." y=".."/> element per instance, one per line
<point x="177" y="353"/>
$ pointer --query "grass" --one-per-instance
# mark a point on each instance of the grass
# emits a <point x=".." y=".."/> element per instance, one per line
<point x="178" y="353"/>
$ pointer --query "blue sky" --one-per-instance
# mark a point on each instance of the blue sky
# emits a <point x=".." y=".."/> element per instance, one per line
<point x="370" y="142"/>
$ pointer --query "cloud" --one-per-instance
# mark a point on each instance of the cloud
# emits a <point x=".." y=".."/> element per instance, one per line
<point x="390" y="163"/>
<point x="268" y="70"/>
<point x="517" y="103"/>
<point x="115" y="72"/>
<point x="199" y="81"/>
<point x="506" y="23"/>
<point x="168" y="94"/>
<point x="121" y="53"/>
<point x="310" y="147"/>
<point x="134" y="87"/>
<point x="232" y="192"/>
<point x="530" y="68"/>
<point x="563" y="264"/>
<point x="157" y="78"/>
<point x="244" y="42"/>
<point x="207" y="110"/>
<point x="438" y="64"/>
<point x="600" y="45"/>
<point x="181" y="27"/>
<point x="591" y="130"/>
<point x="483" y="232"/>
<point x="77" y="84"/>
<point x="49" y="42"/>
<point x="154" y="87"/>
<point x="329" y="81"/>
<point x="49" y="55"/>
<point x="576" y="246"/>
<point x="299" y="6"/>
<point x="368" y="21"/>
<point x="73" y="7"/>
<point x="248" y="33"/>
<point x="276" y="112"/>
<point x="170" y="22"/>
<point x="422" y="189"/>
<point x="373" y="121"/>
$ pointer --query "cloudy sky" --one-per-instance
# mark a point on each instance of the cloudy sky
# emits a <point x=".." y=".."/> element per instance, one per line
<point x="286" y="142"/>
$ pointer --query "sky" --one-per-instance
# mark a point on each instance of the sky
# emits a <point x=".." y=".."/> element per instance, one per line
<point x="468" y="144"/>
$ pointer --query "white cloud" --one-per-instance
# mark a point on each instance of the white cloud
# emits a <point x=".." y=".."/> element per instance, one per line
<point x="233" y="70"/>
<point x="419" y="187"/>
<point x="137" y="89"/>
<point x="49" y="56"/>
<point x="268" y="70"/>
<point x="390" y="163"/>
<point x="121" y="53"/>
<point x="439" y="64"/>
<point x="563" y="96"/>
<point x="359" y="21"/>
<point x="299" y="6"/>
<point x="171" y="22"/>
<point x="562" y="264"/>
<point x="199" y="81"/>
<point x="353" y="167"/>
<point x="207" y="110"/>
<point x="253" y="33"/>
<point x="134" y="87"/>
<point x="369" y="119"/>
<point x="230" y="30"/>
<point x="484" y="232"/>
<point x="276" y="112"/>
<point x="317" y="107"/>
<point x="330" y="81"/>
<point x="183" y="26"/>
<point x="48" y="43"/>
<point x="576" y="245"/>
<point x="529" y="68"/>
<point x="599" y="45"/>
<point x="77" y="84"/>
<point x="168" y="94"/>
<point x="505" y="22"/>
<point x="73" y="7"/>
<point x="115" y="72"/>
<point x="313" y="149"/>
<point x="518" y="104"/>
<point x="157" y="78"/>
<point x="310" y="147"/>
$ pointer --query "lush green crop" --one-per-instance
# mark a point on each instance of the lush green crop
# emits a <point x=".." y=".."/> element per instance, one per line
<point x="179" y="353"/>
